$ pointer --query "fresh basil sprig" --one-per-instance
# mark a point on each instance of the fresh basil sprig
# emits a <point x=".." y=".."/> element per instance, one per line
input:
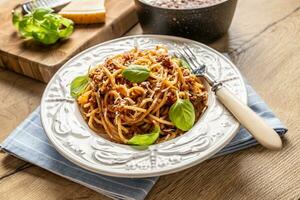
<point x="78" y="85"/>
<point x="42" y="25"/>
<point x="136" y="73"/>
<point x="184" y="64"/>
<point x="181" y="62"/>
<point x="145" y="139"/>
<point x="182" y="114"/>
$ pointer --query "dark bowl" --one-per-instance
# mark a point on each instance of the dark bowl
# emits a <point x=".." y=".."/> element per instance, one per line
<point x="204" y="24"/>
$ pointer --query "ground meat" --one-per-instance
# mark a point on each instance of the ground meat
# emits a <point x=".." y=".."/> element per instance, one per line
<point x="171" y="98"/>
<point x="128" y="58"/>
<point x="166" y="63"/>
<point x="164" y="60"/>
<point x="161" y="58"/>
<point x="186" y="72"/>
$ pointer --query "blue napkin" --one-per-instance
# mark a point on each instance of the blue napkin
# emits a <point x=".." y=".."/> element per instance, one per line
<point x="30" y="143"/>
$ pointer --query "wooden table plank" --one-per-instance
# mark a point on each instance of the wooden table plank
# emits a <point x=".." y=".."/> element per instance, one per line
<point x="264" y="40"/>
<point x="253" y="17"/>
<point x="19" y="96"/>
<point x="36" y="183"/>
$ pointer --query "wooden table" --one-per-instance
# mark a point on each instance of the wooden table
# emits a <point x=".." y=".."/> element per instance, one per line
<point x="264" y="42"/>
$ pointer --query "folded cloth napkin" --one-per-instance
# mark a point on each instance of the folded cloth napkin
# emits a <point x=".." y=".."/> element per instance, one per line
<point x="30" y="143"/>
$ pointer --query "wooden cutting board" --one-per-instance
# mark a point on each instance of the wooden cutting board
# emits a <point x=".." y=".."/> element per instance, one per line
<point x="41" y="62"/>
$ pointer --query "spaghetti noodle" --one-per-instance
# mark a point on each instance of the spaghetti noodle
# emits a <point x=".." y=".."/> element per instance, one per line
<point x="113" y="105"/>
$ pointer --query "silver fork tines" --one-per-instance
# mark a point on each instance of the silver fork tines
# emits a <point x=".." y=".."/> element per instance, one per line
<point x="197" y="68"/>
<point x="192" y="59"/>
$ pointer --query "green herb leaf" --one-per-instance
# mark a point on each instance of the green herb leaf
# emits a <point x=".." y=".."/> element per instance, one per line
<point x="136" y="73"/>
<point x="145" y="139"/>
<point x="49" y="37"/>
<point x="68" y="30"/>
<point x="78" y="85"/>
<point x="182" y="114"/>
<point x="184" y="64"/>
<point x="44" y="26"/>
<point x="40" y="13"/>
<point x="181" y="62"/>
<point x="25" y="27"/>
<point x="16" y="18"/>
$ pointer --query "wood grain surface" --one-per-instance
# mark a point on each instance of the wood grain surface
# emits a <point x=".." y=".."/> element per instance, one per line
<point x="41" y="62"/>
<point x="265" y="45"/>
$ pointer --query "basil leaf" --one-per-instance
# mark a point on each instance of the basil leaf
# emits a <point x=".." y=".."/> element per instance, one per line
<point x="184" y="64"/>
<point x="41" y="12"/>
<point x="78" y="85"/>
<point x="145" y="139"/>
<point x="68" y="30"/>
<point x="182" y="114"/>
<point x="49" y="37"/>
<point x="16" y="18"/>
<point x="136" y="73"/>
<point x="26" y="27"/>
<point x="44" y="26"/>
<point x="181" y="62"/>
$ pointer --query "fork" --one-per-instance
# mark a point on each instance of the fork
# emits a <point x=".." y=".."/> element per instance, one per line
<point x="258" y="128"/>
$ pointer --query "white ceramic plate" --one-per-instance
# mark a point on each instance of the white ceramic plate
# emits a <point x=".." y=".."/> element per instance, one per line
<point x="72" y="137"/>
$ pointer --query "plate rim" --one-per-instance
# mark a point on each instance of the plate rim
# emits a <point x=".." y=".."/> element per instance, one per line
<point x="212" y="152"/>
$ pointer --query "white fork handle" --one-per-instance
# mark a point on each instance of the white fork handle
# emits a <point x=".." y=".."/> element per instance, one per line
<point x="260" y="130"/>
